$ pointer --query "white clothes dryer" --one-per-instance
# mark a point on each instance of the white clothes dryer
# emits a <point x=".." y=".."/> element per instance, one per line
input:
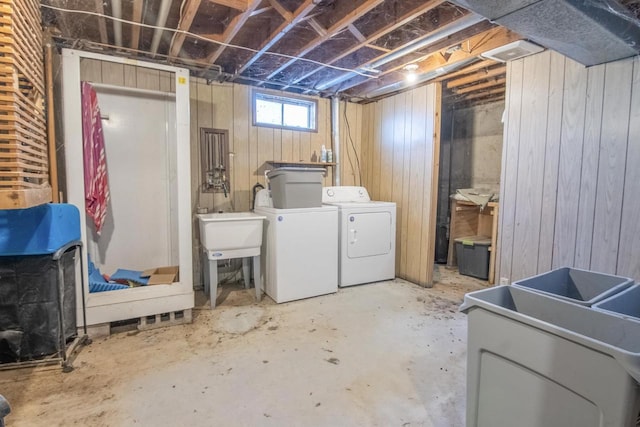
<point x="367" y="235"/>
<point x="299" y="250"/>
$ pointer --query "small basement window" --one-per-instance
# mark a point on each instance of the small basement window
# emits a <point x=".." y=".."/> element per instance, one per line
<point x="284" y="112"/>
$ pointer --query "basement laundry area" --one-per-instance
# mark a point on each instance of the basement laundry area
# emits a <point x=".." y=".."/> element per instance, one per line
<point x="319" y="213"/>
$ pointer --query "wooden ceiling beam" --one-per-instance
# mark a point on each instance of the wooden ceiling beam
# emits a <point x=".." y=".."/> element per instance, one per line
<point x="299" y="15"/>
<point x="482" y="94"/>
<point x="288" y="16"/>
<point x="232" y="29"/>
<point x="241" y="5"/>
<point x="317" y="27"/>
<point x="349" y="18"/>
<point x="482" y="74"/>
<point x="356" y="33"/>
<point x="405" y="19"/>
<point x="261" y="11"/>
<point x="135" y="29"/>
<point x="480" y="43"/>
<point x="188" y="14"/>
<point x="102" y="24"/>
<point x="469" y="69"/>
<point x="501" y="81"/>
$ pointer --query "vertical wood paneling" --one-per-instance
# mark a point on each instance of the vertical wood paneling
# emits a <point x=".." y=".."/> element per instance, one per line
<point x="628" y="260"/>
<point x="597" y="184"/>
<point x="242" y="183"/>
<point x="397" y="160"/>
<point x="509" y="179"/>
<point x="377" y="151"/>
<point x="403" y="213"/>
<point x="590" y="159"/>
<point x="400" y="162"/>
<point x="531" y="155"/>
<point x="570" y="164"/>
<point x="113" y="73"/>
<point x="611" y="168"/>
<point x="418" y="142"/>
<point x="552" y="150"/>
<point x="91" y="70"/>
<point x="430" y="183"/>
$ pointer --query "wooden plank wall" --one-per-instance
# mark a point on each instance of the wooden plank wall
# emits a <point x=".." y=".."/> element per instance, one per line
<point x="228" y="106"/>
<point x="400" y="143"/>
<point x="570" y="181"/>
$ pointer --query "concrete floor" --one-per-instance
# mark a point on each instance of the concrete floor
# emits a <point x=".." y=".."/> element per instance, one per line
<point x="384" y="354"/>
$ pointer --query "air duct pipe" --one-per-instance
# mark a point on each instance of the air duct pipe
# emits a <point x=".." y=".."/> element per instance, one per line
<point x="116" y="11"/>
<point x="441" y="33"/>
<point x="335" y="138"/>
<point x="161" y="21"/>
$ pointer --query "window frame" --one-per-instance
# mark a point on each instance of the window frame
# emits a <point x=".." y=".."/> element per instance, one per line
<point x="282" y="99"/>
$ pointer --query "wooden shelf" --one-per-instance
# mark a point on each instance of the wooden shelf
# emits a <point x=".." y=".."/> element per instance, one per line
<point x="282" y="162"/>
<point x="468" y="220"/>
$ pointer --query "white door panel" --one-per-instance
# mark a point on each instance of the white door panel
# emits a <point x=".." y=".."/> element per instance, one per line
<point x="368" y="234"/>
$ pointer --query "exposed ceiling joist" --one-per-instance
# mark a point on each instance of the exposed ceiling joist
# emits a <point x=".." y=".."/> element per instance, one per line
<point x="281" y="10"/>
<point x="331" y="31"/>
<point x="188" y="14"/>
<point x="468" y="69"/>
<point x="135" y="29"/>
<point x="408" y="17"/>
<point x="261" y="10"/>
<point x="481" y="43"/>
<point x="102" y="25"/>
<point x="317" y="27"/>
<point x="486" y="93"/>
<point x="234" y="26"/>
<point x="481" y="85"/>
<point x="241" y="5"/>
<point x="301" y="13"/>
<point x="356" y="33"/>
<point x="482" y="74"/>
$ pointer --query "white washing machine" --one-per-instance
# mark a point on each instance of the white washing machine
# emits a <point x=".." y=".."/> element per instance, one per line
<point x="367" y="234"/>
<point x="299" y="250"/>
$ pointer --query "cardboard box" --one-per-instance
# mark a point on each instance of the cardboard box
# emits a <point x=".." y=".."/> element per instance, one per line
<point x="162" y="275"/>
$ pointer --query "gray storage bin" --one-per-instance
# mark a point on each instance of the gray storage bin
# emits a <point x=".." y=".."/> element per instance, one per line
<point x="624" y="304"/>
<point x="577" y="286"/>
<point x="296" y="187"/>
<point x="538" y="361"/>
<point x="473" y="256"/>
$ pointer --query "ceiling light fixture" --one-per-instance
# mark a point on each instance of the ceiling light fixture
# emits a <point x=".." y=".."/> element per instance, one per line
<point x="410" y="73"/>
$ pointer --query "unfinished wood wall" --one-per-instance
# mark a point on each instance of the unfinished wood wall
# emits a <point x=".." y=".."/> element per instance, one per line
<point x="400" y="143"/>
<point x="570" y="177"/>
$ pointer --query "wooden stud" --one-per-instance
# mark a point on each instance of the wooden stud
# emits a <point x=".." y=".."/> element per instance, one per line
<point x="135" y="29"/>
<point x="478" y="75"/>
<point x="232" y="29"/>
<point x="301" y="13"/>
<point x="241" y="5"/>
<point x="189" y="13"/>
<point x="351" y="17"/>
<point x="102" y="25"/>
<point x="482" y="85"/>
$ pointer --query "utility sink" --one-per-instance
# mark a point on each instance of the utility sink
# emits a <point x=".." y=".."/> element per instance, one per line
<point x="230" y="232"/>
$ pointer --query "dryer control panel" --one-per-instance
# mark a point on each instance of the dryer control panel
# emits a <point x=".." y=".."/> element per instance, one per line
<point x="344" y="194"/>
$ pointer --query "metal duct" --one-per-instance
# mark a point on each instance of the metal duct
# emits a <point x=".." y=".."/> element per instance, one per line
<point x="335" y="138"/>
<point x="394" y="87"/>
<point x="439" y="34"/>
<point x="588" y="31"/>
<point x="161" y="20"/>
<point x="116" y="12"/>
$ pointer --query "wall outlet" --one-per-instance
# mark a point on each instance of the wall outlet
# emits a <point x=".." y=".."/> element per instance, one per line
<point x="504" y="280"/>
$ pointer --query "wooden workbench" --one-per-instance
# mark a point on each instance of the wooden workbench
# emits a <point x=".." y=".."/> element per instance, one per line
<point x="468" y="220"/>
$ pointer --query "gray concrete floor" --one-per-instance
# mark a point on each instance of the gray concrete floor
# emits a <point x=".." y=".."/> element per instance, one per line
<point x="384" y="354"/>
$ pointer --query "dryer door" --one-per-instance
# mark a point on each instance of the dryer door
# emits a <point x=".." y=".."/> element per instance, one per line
<point x="369" y="234"/>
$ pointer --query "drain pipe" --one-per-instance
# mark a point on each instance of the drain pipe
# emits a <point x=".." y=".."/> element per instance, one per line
<point x="163" y="13"/>
<point x="116" y="12"/>
<point x="335" y="138"/>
